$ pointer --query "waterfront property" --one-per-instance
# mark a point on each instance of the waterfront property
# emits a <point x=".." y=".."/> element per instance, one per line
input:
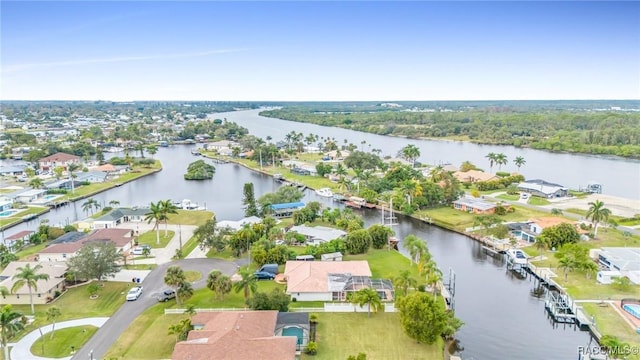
<point x="529" y="230"/>
<point x="335" y="256"/>
<point x="240" y="335"/>
<point x="315" y="235"/>
<point x="237" y="225"/>
<point x="473" y="176"/>
<point x="6" y="205"/>
<point x="118" y="216"/>
<point x="543" y="189"/>
<point x="474" y="205"/>
<point x="26" y="196"/>
<point x="58" y="159"/>
<point x="625" y="261"/>
<point x="12" y="242"/>
<point x="285" y="209"/>
<point x="12" y="170"/>
<point x="332" y="281"/>
<point x="45" y="288"/>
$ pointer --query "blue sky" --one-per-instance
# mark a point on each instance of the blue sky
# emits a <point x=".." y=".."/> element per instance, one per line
<point x="293" y="51"/>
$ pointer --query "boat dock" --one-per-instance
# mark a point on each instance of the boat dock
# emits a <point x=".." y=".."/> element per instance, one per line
<point x="57" y="204"/>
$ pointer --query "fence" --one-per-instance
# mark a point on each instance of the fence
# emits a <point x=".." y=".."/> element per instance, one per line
<point x="328" y="307"/>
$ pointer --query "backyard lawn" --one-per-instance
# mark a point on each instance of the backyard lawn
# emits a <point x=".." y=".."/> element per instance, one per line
<point x="190" y="217"/>
<point x="381" y="337"/>
<point x="149" y="238"/>
<point x="609" y="322"/>
<point x="17" y="217"/>
<point x="86" y="190"/>
<point x="63" y="340"/>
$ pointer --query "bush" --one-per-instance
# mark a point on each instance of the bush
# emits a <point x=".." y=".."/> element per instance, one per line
<point x="69" y="228"/>
<point x="312" y="348"/>
<point x="502" y="174"/>
<point x="422" y="288"/>
<point x="93" y="289"/>
<point x="57" y="191"/>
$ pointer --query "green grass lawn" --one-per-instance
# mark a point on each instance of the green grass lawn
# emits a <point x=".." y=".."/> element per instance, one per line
<point x="314" y="182"/>
<point x="140" y="266"/>
<point x="63" y="339"/>
<point x="538" y="201"/>
<point x="189" y="246"/>
<point x="609" y="322"/>
<point x="75" y="304"/>
<point x="380" y="337"/>
<point x="149" y="238"/>
<point x="86" y="190"/>
<point x="226" y="254"/>
<point x="17" y="217"/>
<point x="460" y="220"/>
<point x="147" y="336"/>
<point x="386" y="264"/>
<point x="30" y="251"/>
<point x="204" y="298"/>
<point x="508" y="197"/>
<point x="190" y="217"/>
<point x="192" y="276"/>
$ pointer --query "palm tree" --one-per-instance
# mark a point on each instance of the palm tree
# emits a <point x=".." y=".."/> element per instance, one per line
<point x="248" y="283"/>
<point x="156" y="215"/>
<point x="70" y="169"/>
<point x="430" y="271"/>
<point x="223" y="286"/>
<point x="174" y="277"/>
<point x="405" y="281"/>
<point x="501" y="159"/>
<point x="114" y="203"/>
<point x="36" y="183"/>
<point x="597" y="213"/>
<point x="28" y="276"/>
<point x="167" y="208"/>
<point x="52" y="313"/>
<point x="519" y="161"/>
<point x="369" y="297"/>
<point x="411" y="153"/>
<point x="492" y="158"/>
<point x="10" y="326"/>
<point x="4" y="291"/>
<point x="185" y="291"/>
<point x="416" y="247"/>
<point x="567" y="264"/>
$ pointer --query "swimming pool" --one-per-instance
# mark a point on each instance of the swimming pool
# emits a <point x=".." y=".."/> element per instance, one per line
<point x="51" y="197"/>
<point x="293" y="331"/>
<point x="633" y="309"/>
<point x="8" y="213"/>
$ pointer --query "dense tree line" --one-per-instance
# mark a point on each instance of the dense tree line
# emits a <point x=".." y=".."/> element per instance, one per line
<point x="603" y="132"/>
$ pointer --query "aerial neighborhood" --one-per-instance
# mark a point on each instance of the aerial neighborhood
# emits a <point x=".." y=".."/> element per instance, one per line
<point x="287" y="247"/>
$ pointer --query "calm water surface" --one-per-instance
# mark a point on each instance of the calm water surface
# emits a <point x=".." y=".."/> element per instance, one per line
<point x="502" y="319"/>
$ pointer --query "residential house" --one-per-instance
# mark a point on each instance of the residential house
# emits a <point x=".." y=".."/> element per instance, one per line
<point x="67" y="247"/>
<point x="45" y="288"/>
<point x="27" y="195"/>
<point x="238" y="335"/>
<point x="92" y="176"/>
<point x="12" y="170"/>
<point x="473" y="176"/>
<point x="332" y="280"/>
<point x="222" y="145"/>
<point x="529" y="230"/>
<point x="58" y="159"/>
<point x="475" y="205"/>
<point x="624" y="260"/>
<point x="315" y="235"/>
<point x="285" y="209"/>
<point x="118" y="216"/>
<point x="338" y="154"/>
<point x="13" y="242"/>
<point x="237" y="225"/>
<point x="6" y="205"/>
<point x="543" y="189"/>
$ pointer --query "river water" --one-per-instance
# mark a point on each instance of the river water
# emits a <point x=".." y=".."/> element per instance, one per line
<point x="618" y="176"/>
<point x="502" y="319"/>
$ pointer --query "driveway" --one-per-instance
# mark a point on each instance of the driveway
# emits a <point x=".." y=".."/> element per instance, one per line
<point x="107" y="335"/>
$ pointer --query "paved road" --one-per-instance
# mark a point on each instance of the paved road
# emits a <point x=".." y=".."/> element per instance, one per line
<point x="153" y="284"/>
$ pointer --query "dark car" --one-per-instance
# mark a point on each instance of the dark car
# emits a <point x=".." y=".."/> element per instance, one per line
<point x="166" y="295"/>
<point x="264" y="275"/>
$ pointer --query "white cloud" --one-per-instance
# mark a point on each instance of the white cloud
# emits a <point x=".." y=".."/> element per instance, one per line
<point x="27" y="66"/>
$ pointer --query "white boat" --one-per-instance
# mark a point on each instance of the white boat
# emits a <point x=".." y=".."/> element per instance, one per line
<point x="325" y="192"/>
<point x="186" y="204"/>
<point x="517" y="256"/>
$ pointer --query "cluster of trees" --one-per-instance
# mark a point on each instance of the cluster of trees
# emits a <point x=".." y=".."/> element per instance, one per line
<point x="556" y="130"/>
<point x="159" y="212"/>
<point x="219" y="129"/>
<point x="275" y="300"/>
<point x="501" y="183"/>
<point x="199" y="170"/>
<point x="572" y="256"/>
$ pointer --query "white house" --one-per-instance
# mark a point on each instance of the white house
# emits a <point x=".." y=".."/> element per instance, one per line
<point x="237" y="225"/>
<point x="315" y="235"/>
<point x="45" y="288"/>
<point x="29" y="195"/>
<point x="625" y="260"/>
<point x="543" y="189"/>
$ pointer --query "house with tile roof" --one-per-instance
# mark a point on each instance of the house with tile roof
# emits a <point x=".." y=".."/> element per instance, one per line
<point x="69" y="247"/>
<point x="235" y="335"/>
<point x="58" y="159"/>
<point x="45" y="288"/>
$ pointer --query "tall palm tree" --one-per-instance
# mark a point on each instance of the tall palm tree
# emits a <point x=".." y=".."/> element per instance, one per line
<point x="36" y="183"/>
<point x="501" y="159"/>
<point x="369" y="297"/>
<point x="405" y="281"/>
<point x="248" y="283"/>
<point x="430" y="271"/>
<point x="416" y="247"/>
<point x="52" y="313"/>
<point x="184" y="291"/>
<point x="411" y="153"/>
<point x="174" y="277"/>
<point x="70" y="169"/>
<point x="492" y="159"/>
<point x="114" y="203"/>
<point x="28" y="276"/>
<point x="597" y="213"/>
<point x="10" y="326"/>
<point x="167" y="208"/>
<point x="156" y="215"/>
<point x="519" y="161"/>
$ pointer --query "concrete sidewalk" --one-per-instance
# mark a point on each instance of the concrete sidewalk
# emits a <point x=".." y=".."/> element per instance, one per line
<point x="22" y="349"/>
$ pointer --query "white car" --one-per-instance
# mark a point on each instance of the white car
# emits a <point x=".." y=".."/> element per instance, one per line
<point x="134" y="293"/>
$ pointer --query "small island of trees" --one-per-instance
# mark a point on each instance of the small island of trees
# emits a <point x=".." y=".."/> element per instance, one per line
<point x="199" y="170"/>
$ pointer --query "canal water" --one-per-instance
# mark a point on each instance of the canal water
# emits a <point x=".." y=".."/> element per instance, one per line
<point x="618" y="176"/>
<point x="502" y="319"/>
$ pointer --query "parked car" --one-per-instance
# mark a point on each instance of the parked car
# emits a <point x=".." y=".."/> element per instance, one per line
<point x="134" y="293"/>
<point x="264" y="275"/>
<point x="271" y="268"/>
<point x="137" y="251"/>
<point x="166" y="295"/>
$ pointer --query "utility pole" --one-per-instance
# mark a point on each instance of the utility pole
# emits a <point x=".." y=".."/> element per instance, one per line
<point x="260" y="159"/>
<point x="180" y="235"/>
